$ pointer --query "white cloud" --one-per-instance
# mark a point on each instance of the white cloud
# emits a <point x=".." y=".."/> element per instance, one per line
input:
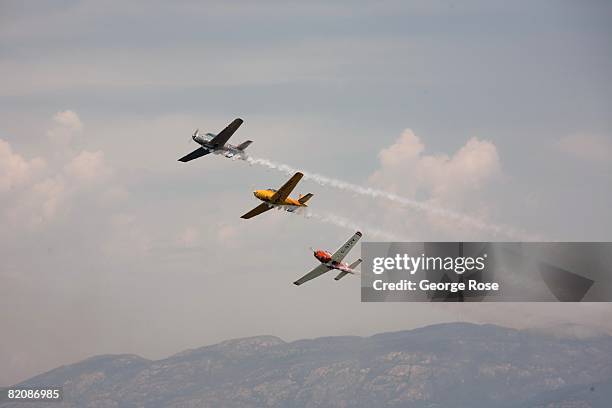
<point x="66" y="125"/>
<point x="587" y="147"/>
<point x="88" y="167"/>
<point x="14" y="169"/>
<point x="451" y="181"/>
<point x="44" y="188"/>
<point x="37" y="203"/>
<point x="48" y="194"/>
<point x="405" y="169"/>
<point x="68" y="119"/>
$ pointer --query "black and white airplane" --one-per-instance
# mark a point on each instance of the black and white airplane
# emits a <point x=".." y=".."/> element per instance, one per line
<point x="217" y="144"/>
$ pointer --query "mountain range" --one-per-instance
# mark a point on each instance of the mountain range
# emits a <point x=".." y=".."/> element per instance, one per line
<point x="444" y="365"/>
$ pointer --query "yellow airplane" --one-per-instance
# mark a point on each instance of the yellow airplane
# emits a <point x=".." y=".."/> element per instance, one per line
<point x="273" y="198"/>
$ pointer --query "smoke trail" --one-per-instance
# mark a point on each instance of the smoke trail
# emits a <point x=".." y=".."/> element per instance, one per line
<point x="346" y="223"/>
<point x="463" y="219"/>
<point x="342" y="222"/>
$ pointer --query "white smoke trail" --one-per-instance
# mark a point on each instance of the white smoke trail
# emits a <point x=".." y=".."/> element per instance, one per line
<point x="463" y="219"/>
<point x="354" y="226"/>
<point x="343" y="222"/>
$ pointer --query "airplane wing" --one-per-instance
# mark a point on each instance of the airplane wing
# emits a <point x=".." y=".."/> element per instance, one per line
<point x="318" y="271"/>
<point x="261" y="208"/>
<point x="287" y="188"/>
<point x="226" y="133"/>
<point x="199" y="152"/>
<point x="344" y="249"/>
<point x="341" y="275"/>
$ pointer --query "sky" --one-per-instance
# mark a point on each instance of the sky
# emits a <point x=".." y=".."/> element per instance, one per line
<point x="493" y="116"/>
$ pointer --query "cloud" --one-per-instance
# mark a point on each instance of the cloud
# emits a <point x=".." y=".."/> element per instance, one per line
<point x="47" y="196"/>
<point x="66" y="125"/>
<point x="42" y="188"/>
<point x="88" y="167"/>
<point x="69" y="119"/>
<point x="35" y="195"/>
<point x="456" y="182"/>
<point x="405" y="169"/>
<point x="587" y="147"/>
<point x="14" y="169"/>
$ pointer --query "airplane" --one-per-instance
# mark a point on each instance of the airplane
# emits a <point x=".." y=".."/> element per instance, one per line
<point x="217" y="144"/>
<point x="333" y="261"/>
<point x="279" y="198"/>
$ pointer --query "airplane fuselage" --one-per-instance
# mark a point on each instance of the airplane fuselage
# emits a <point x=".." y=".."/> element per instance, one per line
<point x="227" y="150"/>
<point x="326" y="258"/>
<point x="266" y="196"/>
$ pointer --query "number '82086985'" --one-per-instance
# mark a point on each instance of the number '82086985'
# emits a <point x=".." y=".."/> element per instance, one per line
<point x="32" y="394"/>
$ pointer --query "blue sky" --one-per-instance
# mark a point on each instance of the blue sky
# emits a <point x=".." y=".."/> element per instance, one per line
<point x="496" y="110"/>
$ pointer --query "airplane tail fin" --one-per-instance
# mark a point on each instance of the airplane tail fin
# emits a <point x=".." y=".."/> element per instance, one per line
<point x="355" y="264"/>
<point x="244" y="145"/>
<point x="304" y="198"/>
<point x="352" y="267"/>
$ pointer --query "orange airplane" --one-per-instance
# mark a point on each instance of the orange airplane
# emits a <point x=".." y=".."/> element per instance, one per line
<point x="279" y="198"/>
<point x="329" y="261"/>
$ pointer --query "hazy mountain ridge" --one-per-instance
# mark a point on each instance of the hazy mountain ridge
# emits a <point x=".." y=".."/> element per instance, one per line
<point x="458" y="364"/>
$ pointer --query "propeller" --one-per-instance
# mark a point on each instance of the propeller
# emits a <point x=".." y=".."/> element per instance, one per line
<point x="194" y="134"/>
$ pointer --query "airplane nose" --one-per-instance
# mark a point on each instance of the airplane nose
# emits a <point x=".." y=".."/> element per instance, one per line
<point x="255" y="194"/>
